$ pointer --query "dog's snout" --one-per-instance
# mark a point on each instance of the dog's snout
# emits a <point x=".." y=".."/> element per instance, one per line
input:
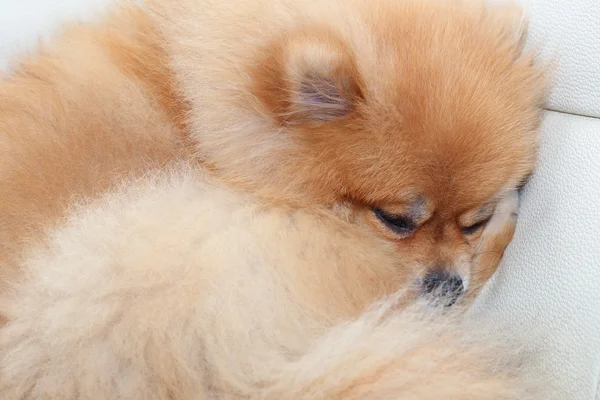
<point x="443" y="285"/>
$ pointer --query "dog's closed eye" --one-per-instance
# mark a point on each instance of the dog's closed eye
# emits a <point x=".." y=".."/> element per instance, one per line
<point x="399" y="224"/>
<point x="472" y="229"/>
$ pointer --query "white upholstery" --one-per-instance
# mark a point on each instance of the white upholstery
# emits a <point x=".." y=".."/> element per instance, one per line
<point x="550" y="279"/>
<point x="569" y="34"/>
<point x="22" y="22"/>
<point x="549" y="282"/>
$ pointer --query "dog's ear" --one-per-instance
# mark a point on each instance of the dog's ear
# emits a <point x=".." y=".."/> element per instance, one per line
<point x="515" y="22"/>
<point x="308" y="79"/>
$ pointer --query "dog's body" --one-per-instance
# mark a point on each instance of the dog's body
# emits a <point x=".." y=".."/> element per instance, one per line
<point x="329" y="164"/>
<point x="174" y="288"/>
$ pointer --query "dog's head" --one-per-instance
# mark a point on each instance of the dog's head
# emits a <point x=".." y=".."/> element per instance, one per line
<point x="416" y="117"/>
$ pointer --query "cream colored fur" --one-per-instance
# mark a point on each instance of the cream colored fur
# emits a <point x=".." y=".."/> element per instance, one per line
<point x="175" y="287"/>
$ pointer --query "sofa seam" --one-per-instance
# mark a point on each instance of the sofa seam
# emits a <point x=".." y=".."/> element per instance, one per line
<point x="572" y="113"/>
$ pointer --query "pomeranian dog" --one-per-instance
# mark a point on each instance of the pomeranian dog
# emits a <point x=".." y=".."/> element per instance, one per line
<point x="335" y="152"/>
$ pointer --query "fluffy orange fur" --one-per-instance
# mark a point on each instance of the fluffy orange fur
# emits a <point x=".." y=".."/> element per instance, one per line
<point x="307" y="116"/>
<point x="95" y="105"/>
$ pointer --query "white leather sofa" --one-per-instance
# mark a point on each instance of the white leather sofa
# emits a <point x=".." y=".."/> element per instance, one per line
<point x="549" y="283"/>
<point x="550" y="279"/>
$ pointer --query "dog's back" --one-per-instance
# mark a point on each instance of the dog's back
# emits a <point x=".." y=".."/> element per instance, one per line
<point x="93" y="107"/>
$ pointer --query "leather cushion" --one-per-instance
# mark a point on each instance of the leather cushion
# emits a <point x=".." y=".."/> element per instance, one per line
<point x="568" y="34"/>
<point x="549" y="281"/>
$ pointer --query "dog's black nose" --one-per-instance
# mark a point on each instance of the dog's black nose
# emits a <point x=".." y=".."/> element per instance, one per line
<point x="444" y="286"/>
